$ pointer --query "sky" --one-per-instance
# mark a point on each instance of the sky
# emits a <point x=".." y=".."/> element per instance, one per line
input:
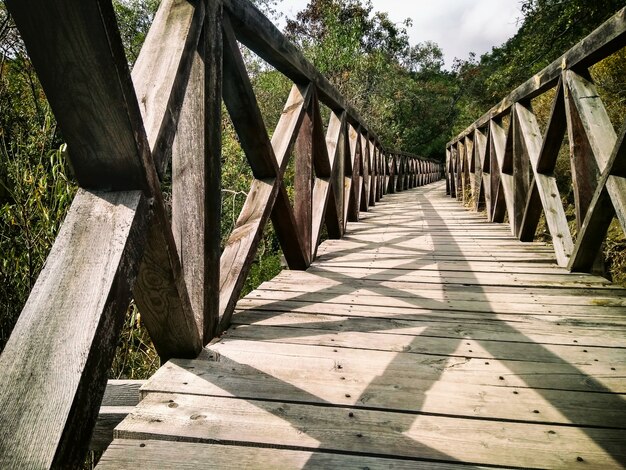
<point x="458" y="26"/>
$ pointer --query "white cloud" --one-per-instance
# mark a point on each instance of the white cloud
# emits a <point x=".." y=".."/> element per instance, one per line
<point x="458" y="26"/>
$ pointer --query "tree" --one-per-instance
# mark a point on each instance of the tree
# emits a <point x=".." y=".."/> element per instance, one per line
<point x="403" y="90"/>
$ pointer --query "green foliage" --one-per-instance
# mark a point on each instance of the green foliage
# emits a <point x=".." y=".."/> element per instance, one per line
<point x="135" y="357"/>
<point x="370" y="61"/>
<point x="134" y="18"/>
<point x="38" y="194"/>
<point x="549" y="28"/>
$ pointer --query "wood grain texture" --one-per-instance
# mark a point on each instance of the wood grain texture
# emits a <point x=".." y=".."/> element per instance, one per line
<point x="426" y="334"/>
<point x="161" y="72"/>
<point x="120" y="397"/>
<point x="268" y="424"/>
<point x="83" y="71"/>
<point x="601" y="211"/>
<point x="600" y="135"/>
<point x="149" y="454"/>
<point x="546" y="186"/>
<point x="54" y="374"/>
<point x="240" y="248"/>
<point x="196" y="175"/>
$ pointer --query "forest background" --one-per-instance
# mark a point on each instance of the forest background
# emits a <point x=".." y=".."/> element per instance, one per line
<point x="404" y="92"/>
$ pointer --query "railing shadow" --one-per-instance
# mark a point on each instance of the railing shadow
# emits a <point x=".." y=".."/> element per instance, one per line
<point x="448" y="355"/>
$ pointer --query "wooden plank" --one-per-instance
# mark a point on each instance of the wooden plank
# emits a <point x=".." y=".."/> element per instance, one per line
<point x="244" y="111"/>
<point x="304" y="179"/>
<point x="162" y="70"/>
<point x="296" y="426"/>
<point x="285" y="225"/>
<point x="310" y="283"/>
<point x="601" y="212"/>
<point x="147" y="454"/>
<point x="499" y="140"/>
<point x="398" y="341"/>
<point x="260" y="35"/>
<point x="122" y="392"/>
<point x="600" y="134"/>
<point x="365" y="172"/>
<point x="518" y="319"/>
<point x="544" y="332"/>
<point x="559" y="375"/>
<point x="546" y="186"/>
<point x="54" y="374"/>
<point x="196" y="177"/>
<point x="120" y="397"/>
<point x="334" y="212"/>
<point x="91" y="112"/>
<point x="254" y="378"/>
<point x="325" y="159"/>
<point x="240" y="248"/>
<point x="537" y="309"/>
<point x="355" y="197"/>
<point x="108" y="418"/>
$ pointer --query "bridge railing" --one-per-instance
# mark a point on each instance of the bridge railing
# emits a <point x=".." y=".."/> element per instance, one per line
<point x="506" y="164"/>
<point x="118" y="241"/>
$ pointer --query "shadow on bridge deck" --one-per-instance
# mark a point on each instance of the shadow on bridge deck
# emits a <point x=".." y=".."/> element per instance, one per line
<point x="426" y="338"/>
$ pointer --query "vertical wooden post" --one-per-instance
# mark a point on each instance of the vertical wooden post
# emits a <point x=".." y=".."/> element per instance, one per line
<point x="584" y="169"/>
<point x="304" y="181"/>
<point x="357" y="184"/>
<point x="196" y="182"/>
<point x="365" y="171"/>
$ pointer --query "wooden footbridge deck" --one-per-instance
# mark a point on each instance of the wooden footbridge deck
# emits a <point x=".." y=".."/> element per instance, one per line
<point x="426" y="338"/>
<point x="420" y="334"/>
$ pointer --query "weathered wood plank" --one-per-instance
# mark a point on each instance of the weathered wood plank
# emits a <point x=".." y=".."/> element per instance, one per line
<point x="54" y="374"/>
<point x="254" y="377"/>
<point x="147" y="454"/>
<point x="503" y="157"/>
<point x="304" y="180"/>
<point x="196" y="176"/>
<point x="600" y="134"/>
<point x="546" y="186"/>
<point x="544" y="332"/>
<point x="296" y="426"/>
<point x="241" y="246"/>
<point x="120" y="397"/>
<point x="601" y="211"/>
<point x="244" y="111"/>
<point x="259" y="34"/>
<point x="325" y="160"/>
<point x="78" y="67"/>
<point x="161" y="73"/>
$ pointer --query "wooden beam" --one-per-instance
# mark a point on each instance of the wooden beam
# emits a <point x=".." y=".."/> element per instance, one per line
<point x="505" y="195"/>
<point x="260" y="35"/>
<point x="77" y="65"/>
<point x="54" y="371"/>
<point x="244" y="111"/>
<point x="241" y="246"/>
<point x="325" y="157"/>
<point x="598" y="131"/>
<point x="605" y="205"/>
<point x="545" y="186"/>
<point x="196" y="176"/>
<point x="161" y="73"/>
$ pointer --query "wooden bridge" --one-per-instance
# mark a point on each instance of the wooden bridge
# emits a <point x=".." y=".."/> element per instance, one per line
<point x="421" y="334"/>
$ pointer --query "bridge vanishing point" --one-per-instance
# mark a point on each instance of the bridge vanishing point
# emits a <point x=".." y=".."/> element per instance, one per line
<point x="424" y="333"/>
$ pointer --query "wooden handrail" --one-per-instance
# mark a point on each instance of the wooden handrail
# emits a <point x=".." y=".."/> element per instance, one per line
<point x="118" y="242"/>
<point x="507" y="166"/>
